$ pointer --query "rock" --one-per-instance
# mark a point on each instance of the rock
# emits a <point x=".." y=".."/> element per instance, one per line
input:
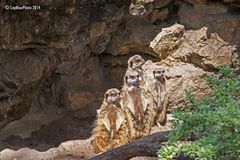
<point x="100" y="32"/>
<point x="161" y="3"/>
<point x="193" y="47"/>
<point x="71" y="150"/>
<point x="74" y="87"/>
<point x="217" y="17"/>
<point x="168" y="40"/>
<point x="78" y="149"/>
<point x="137" y="9"/>
<point x="35" y="52"/>
<point x="188" y="57"/>
<point x="196" y="1"/>
<point x="158" y="14"/>
<point x="145" y="7"/>
<point x="65" y="55"/>
<point x="135" y="36"/>
<point x="21" y="74"/>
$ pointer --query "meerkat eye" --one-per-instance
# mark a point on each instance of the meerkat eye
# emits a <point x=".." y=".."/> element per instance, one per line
<point x="138" y="61"/>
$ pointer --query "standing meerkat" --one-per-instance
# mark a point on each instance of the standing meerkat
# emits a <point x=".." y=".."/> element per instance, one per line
<point x="110" y="129"/>
<point x="157" y="87"/>
<point x="138" y="105"/>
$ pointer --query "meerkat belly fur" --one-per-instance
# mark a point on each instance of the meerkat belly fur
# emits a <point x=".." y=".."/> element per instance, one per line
<point x="138" y="105"/>
<point x="110" y="129"/>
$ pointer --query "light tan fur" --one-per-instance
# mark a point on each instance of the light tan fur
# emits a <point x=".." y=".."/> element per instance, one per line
<point x="110" y="129"/>
<point x="138" y="105"/>
<point x="157" y="88"/>
<point x="135" y="63"/>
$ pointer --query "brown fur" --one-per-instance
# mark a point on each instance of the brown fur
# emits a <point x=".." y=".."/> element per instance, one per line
<point x="139" y="108"/>
<point x="133" y="66"/>
<point x="157" y="88"/>
<point x="110" y="129"/>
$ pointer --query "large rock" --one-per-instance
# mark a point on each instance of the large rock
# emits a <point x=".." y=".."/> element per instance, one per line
<point x="135" y="36"/>
<point x="22" y="73"/>
<point x="78" y="149"/>
<point x="188" y="57"/>
<point x="216" y="16"/>
<point x="193" y="47"/>
<point x="38" y="54"/>
<point x="67" y="54"/>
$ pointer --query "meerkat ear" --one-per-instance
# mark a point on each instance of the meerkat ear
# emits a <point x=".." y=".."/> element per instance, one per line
<point x="105" y="96"/>
<point x="125" y="79"/>
<point x="130" y="64"/>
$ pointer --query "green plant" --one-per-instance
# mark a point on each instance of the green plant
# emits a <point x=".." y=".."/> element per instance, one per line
<point x="215" y="120"/>
<point x="193" y="150"/>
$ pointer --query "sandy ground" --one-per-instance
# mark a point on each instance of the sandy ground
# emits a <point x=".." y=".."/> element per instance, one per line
<point x="44" y="143"/>
<point x="70" y="150"/>
<point x="42" y="129"/>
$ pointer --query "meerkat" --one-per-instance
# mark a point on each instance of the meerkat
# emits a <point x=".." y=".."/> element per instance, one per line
<point x="138" y="105"/>
<point x="110" y="129"/>
<point x="135" y="63"/>
<point x="157" y="87"/>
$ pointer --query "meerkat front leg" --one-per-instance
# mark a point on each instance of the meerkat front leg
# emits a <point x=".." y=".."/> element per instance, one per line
<point x="150" y="115"/>
<point x="130" y="125"/>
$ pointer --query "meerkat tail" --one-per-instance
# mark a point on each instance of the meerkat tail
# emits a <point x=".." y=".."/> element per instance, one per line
<point x="162" y="117"/>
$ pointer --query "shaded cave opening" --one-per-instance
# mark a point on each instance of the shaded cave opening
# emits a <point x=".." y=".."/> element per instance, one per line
<point x="50" y="121"/>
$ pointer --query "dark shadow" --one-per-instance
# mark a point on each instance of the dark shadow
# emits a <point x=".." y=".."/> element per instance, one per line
<point x="75" y="125"/>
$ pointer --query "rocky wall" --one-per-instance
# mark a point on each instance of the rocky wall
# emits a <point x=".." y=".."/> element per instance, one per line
<point x="67" y="53"/>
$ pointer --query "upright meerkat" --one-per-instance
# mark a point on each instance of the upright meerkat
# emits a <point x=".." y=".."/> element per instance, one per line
<point x="157" y="87"/>
<point x="138" y="105"/>
<point x="110" y="128"/>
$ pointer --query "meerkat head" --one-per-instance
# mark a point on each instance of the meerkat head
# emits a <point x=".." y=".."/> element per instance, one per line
<point x="132" y="78"/>
<point x="135" y="62"/>
<point x="158" y="73"/>
<point x="112" y="96"/>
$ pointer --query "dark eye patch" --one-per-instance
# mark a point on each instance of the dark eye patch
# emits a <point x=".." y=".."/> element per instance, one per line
<point x="114" y="94"/>
<point x="138" y="60"/>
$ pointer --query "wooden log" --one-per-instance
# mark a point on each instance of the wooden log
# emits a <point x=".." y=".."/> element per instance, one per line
<point x="146" y="146"/>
